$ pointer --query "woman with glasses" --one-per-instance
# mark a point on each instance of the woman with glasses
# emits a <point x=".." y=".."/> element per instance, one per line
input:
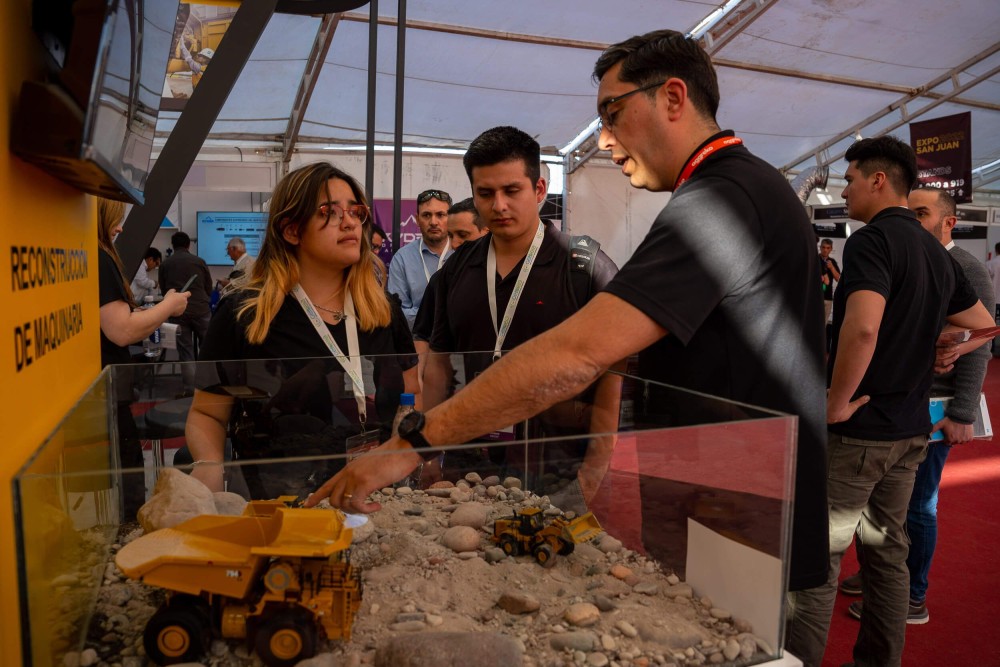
<point x="316" y="302"/>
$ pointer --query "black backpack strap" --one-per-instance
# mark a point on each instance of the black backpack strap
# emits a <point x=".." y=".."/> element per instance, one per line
<point x="582" y="257"/>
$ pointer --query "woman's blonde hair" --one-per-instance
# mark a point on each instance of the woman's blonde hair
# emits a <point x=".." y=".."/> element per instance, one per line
<point x="110" y="213"/>
<point x="276" y="271"/>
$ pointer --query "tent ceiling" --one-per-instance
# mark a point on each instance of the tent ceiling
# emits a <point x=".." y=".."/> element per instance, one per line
<point x="801" y="75"/>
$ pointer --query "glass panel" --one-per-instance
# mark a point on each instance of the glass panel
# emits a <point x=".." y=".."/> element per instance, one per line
<point x="692" y="494"/>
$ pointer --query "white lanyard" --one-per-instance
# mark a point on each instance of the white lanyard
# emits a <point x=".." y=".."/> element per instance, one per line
<point x="351" y="363"/>
<point x="515" y="296"/>
<point x="423" y="264"/>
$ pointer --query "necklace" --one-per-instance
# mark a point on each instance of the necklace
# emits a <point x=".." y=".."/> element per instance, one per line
<point x="337" y="314"/>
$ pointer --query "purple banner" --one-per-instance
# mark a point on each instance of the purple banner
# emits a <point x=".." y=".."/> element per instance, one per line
<point x="409" y="230"/>
<point x="944" y="154"/>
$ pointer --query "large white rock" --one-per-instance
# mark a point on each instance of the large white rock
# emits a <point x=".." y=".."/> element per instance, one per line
<point x="177" y="497"/>
<point x="461" y="538"/>
<point x="473" y="515"/>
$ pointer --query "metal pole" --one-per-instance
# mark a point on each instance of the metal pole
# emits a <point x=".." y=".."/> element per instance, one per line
<point x="397" y="149"/>
<point x="372" y="84"/>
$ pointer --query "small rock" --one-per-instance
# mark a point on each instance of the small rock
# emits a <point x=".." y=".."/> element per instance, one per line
<point x="512" y="483"/>
<point x="408" y="626"/>
<point x="443" y="484"/>
<point x="518" y="603"/>
<point x="620" y="572"/>
<point x="608" y="642"/>
<point x="673" y="579"/>
<point x="597" y="659"/>
<point x="719" y="613"/>
<point x="582" y="614"/>
<point x="473" y="478"/>
<point x="604" y="603"/>
<point x="461" y="538"/>
<point x="492" y="480"/>
<point x="609" y="544"/>
<point x="732" y="649"/>
<point x="494" y="555"/>
<point x="679" y="591"/>
<point x="574" y="641"/>
<point x="626" y="629"/>
<point x="646" y="588"/>
<point x="404" y="491"/>
<point x="470" y="514"/>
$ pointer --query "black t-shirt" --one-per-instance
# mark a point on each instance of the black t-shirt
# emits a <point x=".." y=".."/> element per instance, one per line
<point x="462" y="321"/>
<point x="111" y="288"/>
<point x="824" y="271"/>
<point x="423" y="323"/>
<point x="729" y="270"/>
<point x="922" y="284"/>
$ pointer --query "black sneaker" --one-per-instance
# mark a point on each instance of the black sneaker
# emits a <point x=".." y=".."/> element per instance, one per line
<point x="851" y="585"/>
<point x="917" y="614"/>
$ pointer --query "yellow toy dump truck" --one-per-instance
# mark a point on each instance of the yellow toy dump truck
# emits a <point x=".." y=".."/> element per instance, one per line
<point x="527" y="533"/>
<point x="277" y="577"/>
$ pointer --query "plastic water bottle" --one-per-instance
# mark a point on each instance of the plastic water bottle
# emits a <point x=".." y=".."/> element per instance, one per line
<point x="406" y="406"/>
<point x="151" y="345"/>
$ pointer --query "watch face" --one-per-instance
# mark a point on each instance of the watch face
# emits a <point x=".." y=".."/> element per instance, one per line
<point x="410" y="423"/>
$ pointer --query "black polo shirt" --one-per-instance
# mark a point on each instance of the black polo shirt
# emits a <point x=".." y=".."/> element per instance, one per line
<point x="922" y="284"/>
<point x="462" y="321"/>
<point x="111" y="288"/>
<point x="729" y="269"/>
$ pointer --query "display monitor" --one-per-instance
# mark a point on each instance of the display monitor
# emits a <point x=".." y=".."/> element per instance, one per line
<point x="216" y="228"/>
<point x="92" y="123"/>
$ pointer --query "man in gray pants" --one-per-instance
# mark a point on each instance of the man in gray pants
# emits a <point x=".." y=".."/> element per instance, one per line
<point x="174" y="273"/>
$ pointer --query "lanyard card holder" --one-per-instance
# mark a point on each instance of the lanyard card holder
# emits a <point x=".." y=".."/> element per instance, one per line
<point x="364" y="441"/>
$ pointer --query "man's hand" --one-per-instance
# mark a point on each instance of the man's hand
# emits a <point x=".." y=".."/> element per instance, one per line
<point x="945" y="357"/>
<point x="349" y="489"/>
<point x="954" y="433"/>
<point x="841" y="413"/>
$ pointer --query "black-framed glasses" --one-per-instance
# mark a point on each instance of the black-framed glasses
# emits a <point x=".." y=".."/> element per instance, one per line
<point x="359" y="212"/>
<point x="602" y="110"/>
<point x="427" y="195"/>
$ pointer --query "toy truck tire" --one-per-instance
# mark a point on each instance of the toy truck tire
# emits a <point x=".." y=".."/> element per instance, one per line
<point x="176" y="633"/>
<point x="509" y="545"/>
<point x="565" y="547"/>
<point x="286" y="638"/>
<point x="543" y="554"/>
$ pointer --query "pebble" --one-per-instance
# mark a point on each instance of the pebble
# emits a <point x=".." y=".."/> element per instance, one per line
<point x="620" y="572"/>
<point x="388" y="491"/>
<point x="470" y="514"/>
<point x="608" y="642"/>
<point x="515" y="602"/>
<point x="646" y="588"/>
<point x="473" y="478"/>
<point x="582" y="614"/>
<point x="404" y="491"/>
<point x="492" y="480"/>
<point x="673" y="579"/>
<point x="461" y="538"/>
<point x="604" y="603"/>
<point x="408" y="626"/>
<point x="609" y="544"/>
<point x="719" y="613"/>
<point x="574" y="641"/>
<point x="406" y="617"/>
<point x="512" y="483"/>
<point x="494" y="554"/>
<point x="597" y="659"/>
<point x="679" y="591"/>
<point x="626" y="629"/>
<point x="468" y="555"/>
<point x="732" y="649"/>
<point x="443" y="484"/>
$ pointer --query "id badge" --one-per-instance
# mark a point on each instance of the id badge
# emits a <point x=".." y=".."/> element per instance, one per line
<point x="361" y="443"/>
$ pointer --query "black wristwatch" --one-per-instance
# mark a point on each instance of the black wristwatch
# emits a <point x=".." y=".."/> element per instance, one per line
<point x="410" y="427"/>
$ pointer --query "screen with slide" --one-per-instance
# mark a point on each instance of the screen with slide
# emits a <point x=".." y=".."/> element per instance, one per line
<point x="216" y="228"/>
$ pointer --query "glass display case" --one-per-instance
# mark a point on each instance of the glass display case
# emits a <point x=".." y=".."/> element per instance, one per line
<point x="635" y="524"/>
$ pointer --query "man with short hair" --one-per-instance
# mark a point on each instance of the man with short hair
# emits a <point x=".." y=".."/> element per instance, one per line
<point x="412" y="267"/>
<point x="193" y="324"/>
<point x="898" y="288"/>
<point x="935" y="209"/>
<point x="464" y="223"/>
<point x="142" y="284"/>
<point x="242" y="266"/>
<point x="720" y="297"/>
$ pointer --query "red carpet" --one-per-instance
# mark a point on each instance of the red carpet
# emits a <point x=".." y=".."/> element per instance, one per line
<point x="964" y="594"/>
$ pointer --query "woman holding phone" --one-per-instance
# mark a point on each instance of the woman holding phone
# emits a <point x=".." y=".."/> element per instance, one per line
<point x="316" y="301"/>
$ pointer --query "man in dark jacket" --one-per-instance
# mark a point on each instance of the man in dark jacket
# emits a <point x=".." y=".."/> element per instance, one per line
<point x="193" y="324"/>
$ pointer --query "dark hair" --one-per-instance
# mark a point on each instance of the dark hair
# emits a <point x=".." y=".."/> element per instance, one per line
<point x="828" y="242"/>
<point x="467" y="206"/>
<point x="504" y="144"/>
<point x="663" y="54"/>
<point x="153" y="253"/>
<point x="944" y="197"/>
<point x="180" y="240"/>
<point x="889" y="155"/>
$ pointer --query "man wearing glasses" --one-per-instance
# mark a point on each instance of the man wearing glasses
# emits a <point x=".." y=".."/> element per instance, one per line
<point x="412" y="267"/>
<point x="720" y="297"/>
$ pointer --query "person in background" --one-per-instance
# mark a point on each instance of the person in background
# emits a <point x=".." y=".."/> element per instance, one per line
<point x="829" y="274"/>
<point x="315" y="289"/>
<point x="123" y="324"/>
<point x="898" y="289"/>
<point x="993" y="268"/>
<point x="464" y="223"/>
<point x="414" y="264"/>
<point x="193" y="323"/>
<point x="935" y="209"/>
<point x="142" y="284"/>
<point x="242" y="266"/>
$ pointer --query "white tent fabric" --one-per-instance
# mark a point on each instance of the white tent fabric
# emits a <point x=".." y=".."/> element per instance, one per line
<point x="802" y="74"/>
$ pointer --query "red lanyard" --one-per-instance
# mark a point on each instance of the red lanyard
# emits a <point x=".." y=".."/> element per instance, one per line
<point x="718" y="144"/>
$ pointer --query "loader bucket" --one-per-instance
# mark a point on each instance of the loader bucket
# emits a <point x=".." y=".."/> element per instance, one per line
<point x="582" y="528"/>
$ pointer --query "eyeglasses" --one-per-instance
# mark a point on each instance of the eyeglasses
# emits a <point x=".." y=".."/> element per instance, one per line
<point x="427" y="195"/>
<point x="602" y="110"/>
<point x="359" y="212"/>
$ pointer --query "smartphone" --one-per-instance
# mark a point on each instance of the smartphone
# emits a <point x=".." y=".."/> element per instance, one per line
<point x="187" y="285"/>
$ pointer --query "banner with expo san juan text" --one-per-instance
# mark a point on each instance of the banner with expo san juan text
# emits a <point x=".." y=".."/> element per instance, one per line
<point x="944" y="154"/>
